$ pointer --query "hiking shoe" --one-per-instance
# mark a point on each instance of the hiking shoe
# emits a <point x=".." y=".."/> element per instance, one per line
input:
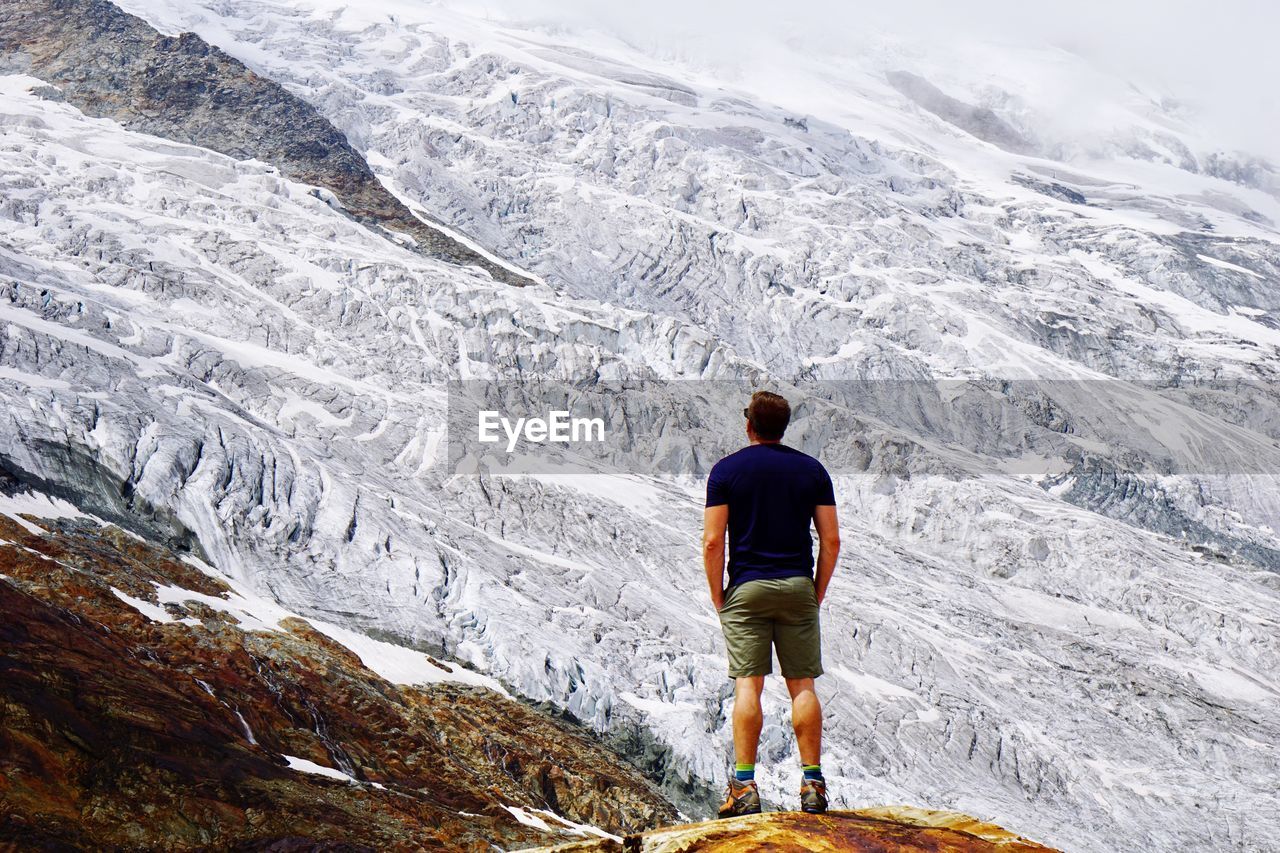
<point x="741" y="798"/>
<point x="813" y="796"/>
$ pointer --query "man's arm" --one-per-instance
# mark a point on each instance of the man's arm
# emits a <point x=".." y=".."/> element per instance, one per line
<point x="824" y="519"/>
<point x="714" y="521"/>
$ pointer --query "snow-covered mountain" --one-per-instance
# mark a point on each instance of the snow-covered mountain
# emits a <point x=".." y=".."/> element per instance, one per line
<point x="1059" y="614"/>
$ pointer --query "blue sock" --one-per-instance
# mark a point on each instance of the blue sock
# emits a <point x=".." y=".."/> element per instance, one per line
<point x="745" y="772"/>
<point x="813" y="772"/>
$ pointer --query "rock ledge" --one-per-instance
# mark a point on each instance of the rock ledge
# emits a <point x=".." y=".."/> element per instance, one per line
<point x="886" y="829"/>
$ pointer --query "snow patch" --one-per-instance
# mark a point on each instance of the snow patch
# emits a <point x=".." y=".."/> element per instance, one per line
<point x="32" y="380"/>
<point x="397" y="664"/>
<point x="38" y="505"/>
<point x="146" y="608"/>
<point x="401" y="665"/>
<point x="885" y="691"/>
<point x="302" y="765"/>
<point x="295" y="405"/>
<point x="252" y="614"/>
<point x="1226" y="682"/>
<point x="570" y="826"/>
<point x="1227" y="265"/>
<point x="655" y="707"/>
<point x="538" y="819"/>
<point x="528" y="818"/>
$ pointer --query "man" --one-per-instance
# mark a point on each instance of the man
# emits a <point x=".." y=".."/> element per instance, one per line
<point x="766" y="495"/>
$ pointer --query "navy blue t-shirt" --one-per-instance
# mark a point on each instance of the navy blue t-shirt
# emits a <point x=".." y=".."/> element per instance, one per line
<point x="771" y="490"/>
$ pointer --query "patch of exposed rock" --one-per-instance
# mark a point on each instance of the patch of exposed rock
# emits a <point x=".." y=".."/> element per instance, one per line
<point x="111" y="64"/>
<point x="891" y="829"/>
<point x="980" y="122"/>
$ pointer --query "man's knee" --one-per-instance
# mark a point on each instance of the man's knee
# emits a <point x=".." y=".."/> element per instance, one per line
<point x="749" y="685"/>
<point x="798" y="686"/>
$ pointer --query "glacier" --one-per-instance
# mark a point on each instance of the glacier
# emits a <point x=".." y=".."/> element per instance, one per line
<point x="209" y="353"/>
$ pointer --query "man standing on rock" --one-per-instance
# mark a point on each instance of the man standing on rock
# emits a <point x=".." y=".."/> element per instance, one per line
<point x="766" y="495"/>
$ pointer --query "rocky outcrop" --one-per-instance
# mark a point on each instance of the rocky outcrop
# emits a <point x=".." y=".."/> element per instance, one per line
<point x="112" y="64"/>
<point x="981" y="122"/>
<point x="893" y="829"/>
<point x="126" y="723"/>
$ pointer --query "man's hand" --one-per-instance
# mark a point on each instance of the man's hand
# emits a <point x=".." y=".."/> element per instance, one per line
<point x="714" y="522"/>
<point x="824" y="519"/>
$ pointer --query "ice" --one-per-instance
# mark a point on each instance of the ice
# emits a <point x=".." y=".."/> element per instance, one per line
<point x="273" y="375"/>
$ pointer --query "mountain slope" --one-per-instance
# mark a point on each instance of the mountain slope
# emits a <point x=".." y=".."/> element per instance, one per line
<point x="109" y="63"/>
<point x="146" y="704"/>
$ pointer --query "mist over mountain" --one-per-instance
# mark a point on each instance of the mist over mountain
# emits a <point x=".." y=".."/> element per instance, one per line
<point x="1078" y="68"/>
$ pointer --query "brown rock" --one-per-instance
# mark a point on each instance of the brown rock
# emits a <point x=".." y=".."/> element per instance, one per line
<point x="890" y="829"/>
<point x="119" y="732"/>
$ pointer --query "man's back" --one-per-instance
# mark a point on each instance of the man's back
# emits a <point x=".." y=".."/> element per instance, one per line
<point x="771" y="491"/>
<point x="760" y="502"/>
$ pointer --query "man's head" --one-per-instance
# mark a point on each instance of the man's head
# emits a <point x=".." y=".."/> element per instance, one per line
<point x="767" y="416"/>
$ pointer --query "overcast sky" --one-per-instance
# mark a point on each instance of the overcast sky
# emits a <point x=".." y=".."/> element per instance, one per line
<point x="1220" y="58"/>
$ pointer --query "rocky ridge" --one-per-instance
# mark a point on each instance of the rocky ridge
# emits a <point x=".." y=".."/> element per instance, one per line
<point x="110" y="63"/>
<point x="145" y="704"/>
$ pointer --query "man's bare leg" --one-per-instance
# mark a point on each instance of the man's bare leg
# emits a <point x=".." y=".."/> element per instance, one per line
<point x="806" y="719"/>
<point x="742" y="798"/>
<point x="748" y="718"/>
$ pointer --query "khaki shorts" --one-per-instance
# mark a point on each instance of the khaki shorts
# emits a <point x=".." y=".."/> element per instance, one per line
<point x="781" y="613"/>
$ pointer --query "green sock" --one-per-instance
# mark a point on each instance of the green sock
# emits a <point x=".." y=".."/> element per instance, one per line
<point x="745" y="772"/>
<point x="812" y="772"/>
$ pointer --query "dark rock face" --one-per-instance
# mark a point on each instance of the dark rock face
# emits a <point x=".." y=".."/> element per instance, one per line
<point x="1253" y="264"/>
<point x="977" y="121"/>
<point x="121" y="732"/>
<point x="100" y="492"/>
<point x="1101" y="486"/>
<point x="112" y="64"/>
<point x="1053" y="189"/>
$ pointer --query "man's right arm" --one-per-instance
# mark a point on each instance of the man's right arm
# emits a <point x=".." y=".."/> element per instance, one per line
<point x="828" y="527"/>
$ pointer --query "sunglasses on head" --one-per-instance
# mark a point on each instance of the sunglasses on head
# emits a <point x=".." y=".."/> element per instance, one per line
<point x="746" y="414"/>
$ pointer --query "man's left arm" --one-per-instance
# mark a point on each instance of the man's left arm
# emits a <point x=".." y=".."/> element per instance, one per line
<point x="715" y="519"/>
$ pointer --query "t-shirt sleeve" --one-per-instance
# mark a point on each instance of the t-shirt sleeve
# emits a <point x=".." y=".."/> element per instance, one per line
<point x="717" y="487"/>
<point x="824" y="491"/>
